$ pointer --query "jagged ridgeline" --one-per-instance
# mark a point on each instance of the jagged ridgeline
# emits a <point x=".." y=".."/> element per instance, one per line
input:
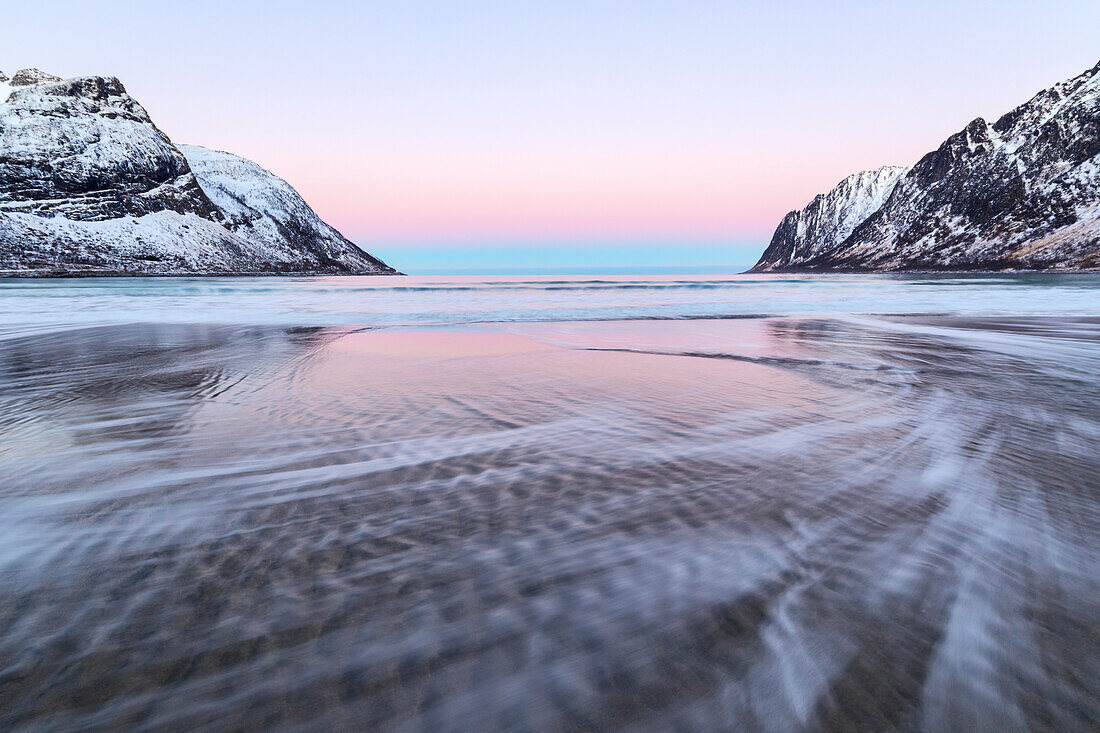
<point x="1021" y="193"/>
<point x="90" y="186"/>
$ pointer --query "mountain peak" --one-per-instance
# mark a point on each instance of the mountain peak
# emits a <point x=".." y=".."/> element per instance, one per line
<point x="28" y="77"/>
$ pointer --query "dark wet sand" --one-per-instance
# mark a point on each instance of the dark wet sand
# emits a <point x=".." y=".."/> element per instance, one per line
<point x="776" y="524"/>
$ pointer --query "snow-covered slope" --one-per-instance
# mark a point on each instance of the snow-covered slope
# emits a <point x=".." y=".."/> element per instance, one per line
<point x="89" y="185"/>
<point x="1021" y="193"/>
<point x="161" y="243"/>
<point x="261" y="207"/>
<point x="830" y="217"/>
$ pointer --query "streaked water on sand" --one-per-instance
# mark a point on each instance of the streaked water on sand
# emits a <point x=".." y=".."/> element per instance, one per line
<point x="827" y="518"/>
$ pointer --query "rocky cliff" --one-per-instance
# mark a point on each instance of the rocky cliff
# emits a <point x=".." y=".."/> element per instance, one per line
<point x="265" y="210"/>
<point x="1020" y="193"/>
<point x="89" y="185"/>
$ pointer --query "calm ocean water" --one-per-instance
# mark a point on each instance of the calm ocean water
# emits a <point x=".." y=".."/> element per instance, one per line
<point x="551" y="503"/>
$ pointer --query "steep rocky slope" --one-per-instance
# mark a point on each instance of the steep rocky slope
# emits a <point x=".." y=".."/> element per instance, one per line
<point x="89" y="185"/>
<point x="831" y="217"/>
<point x="1021" y="193"/>
<point x="264" y="209"/>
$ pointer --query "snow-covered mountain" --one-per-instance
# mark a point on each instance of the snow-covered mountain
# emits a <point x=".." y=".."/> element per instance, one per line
<point x="89" y="185"/>
<point x="831" y="217"/>
<point x="1021" y="193"/>
<point x="262" y="208"/>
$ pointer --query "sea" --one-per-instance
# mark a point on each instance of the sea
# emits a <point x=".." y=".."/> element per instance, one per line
<point x="551" y="503"/>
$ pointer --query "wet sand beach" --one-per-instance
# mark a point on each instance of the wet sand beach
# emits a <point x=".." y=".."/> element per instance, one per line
<point x="829" y="522"/>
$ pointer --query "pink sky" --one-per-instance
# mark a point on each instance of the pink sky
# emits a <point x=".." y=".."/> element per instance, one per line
<point x="430" y="122"/>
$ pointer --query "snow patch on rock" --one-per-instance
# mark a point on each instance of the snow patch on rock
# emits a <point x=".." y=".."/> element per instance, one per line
<point x="830" y="218"/>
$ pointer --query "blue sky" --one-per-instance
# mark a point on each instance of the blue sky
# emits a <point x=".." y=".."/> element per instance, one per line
<point x="636" y="255"/>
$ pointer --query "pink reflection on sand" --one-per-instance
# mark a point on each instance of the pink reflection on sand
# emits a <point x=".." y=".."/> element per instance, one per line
<point x="526" y="374"/>
<point x="749" y="336"/>
<point x="439" y="343"/>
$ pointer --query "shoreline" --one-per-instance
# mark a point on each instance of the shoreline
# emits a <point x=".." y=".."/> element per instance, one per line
<point x="62" y="275"/>
<point x="918" y="271"/>
<point x="56" y="275"/>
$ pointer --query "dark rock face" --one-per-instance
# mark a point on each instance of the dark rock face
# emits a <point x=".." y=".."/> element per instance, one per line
<point x="89" y="185"/>
<point x="85" y="150"/>
<point x="26" y="77"/>
<point x="1022" y="193"/>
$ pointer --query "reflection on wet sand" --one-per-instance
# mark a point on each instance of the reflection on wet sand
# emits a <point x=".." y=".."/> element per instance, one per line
<point x="739" y="524"/>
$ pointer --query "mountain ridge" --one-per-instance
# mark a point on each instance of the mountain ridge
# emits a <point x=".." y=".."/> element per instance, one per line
<point x="1020" y="193"/>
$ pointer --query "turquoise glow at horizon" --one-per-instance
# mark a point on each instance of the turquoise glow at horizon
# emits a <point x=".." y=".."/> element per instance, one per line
<point x="566" y="131"/>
